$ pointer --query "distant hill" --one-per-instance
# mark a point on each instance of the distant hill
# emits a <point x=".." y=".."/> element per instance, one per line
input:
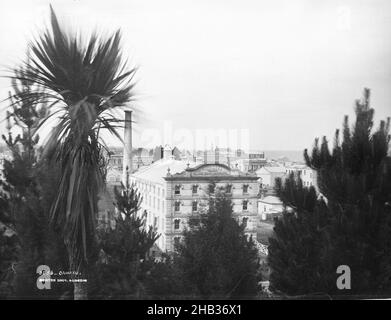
<point x="292" y="155"/>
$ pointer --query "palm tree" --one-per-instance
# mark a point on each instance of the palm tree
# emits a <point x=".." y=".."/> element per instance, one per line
<point x="84" y="84"/>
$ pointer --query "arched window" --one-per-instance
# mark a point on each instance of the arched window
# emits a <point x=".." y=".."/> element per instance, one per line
<point x="245" y="188"/>
<point x="245" y="204"/>
<point x="244" y="222"/>
<point x="177" y="205"/>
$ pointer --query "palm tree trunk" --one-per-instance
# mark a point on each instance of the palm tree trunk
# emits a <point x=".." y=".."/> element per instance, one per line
<point x="80" y="289"/>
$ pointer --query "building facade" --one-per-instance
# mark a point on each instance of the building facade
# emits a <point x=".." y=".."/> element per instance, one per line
<point x="188" y="193"/>
<point x="252" y="163"/>
<point x="268" y="176"/>
<point x="307" y="175"/>
<point x="174" y="192"/>
<point x="269" y="207"/>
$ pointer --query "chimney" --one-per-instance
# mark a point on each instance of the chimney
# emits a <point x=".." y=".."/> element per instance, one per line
<point x="127" y="163"/>
<point x="167" y="152"/>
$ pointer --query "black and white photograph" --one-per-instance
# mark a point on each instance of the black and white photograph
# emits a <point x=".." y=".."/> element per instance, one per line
<point x="195" y="155"/>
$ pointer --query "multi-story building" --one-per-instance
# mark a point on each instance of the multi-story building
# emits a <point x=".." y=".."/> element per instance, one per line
<point x="268" y="176"/>
<point x="219" y="155"/>
<point x="174" y="192"/>
<point x="252" y="163"/>
<point x="140" y="157"/>
<point x="307" y="175"/>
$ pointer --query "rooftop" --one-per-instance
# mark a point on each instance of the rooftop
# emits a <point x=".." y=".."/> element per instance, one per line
<point x="158" y="170"/>
<point x="271" y="200"/>
<point x="208" y="171"/>
<point x="273" y="169"/>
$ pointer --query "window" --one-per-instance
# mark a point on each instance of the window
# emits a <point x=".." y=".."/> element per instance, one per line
<point x="245" y="188"/>
<point x="176" y="224"/>
<point x="155" y="221"/>
<point x="244" y="222"/>
<point x="212" y="188"/>
<point x="229" y="188"/>
<point x="194" y="205"/>
<point x="177" y="205"/>
<point x="195" y="189"/>
<point x="245" y="204"/>
<point x="177" y="189"/>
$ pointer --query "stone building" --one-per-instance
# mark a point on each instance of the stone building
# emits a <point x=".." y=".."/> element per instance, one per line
<point x="175" y="192"/>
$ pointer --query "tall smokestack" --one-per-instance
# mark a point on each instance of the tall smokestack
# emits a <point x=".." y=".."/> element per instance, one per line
<point x="127" y="161"/>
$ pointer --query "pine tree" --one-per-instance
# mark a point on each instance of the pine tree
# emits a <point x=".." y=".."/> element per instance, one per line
<point x="348" y="224"/>
<point x="216" y="258"/>
<point x="124" y="248"/>
<point x="27" y="192"/>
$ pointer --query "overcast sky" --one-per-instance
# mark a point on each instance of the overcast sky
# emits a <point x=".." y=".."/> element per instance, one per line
<point x="286" y="71"/>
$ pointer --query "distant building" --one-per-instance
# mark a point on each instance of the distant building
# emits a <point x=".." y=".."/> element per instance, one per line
<point x="252" y="163"/>
<point x="268" y="176"/>
<point x="140" y="157"/>
<point x="269" y="207"/>
<point x="224" y="156"/>
<point x="307" y="175"/>
<point x="158" y="153"/>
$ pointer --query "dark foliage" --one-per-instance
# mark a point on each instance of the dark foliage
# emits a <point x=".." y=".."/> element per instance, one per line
<point x="349" y="223"/>
<point x="124" y="249"/>
<point x="28" y="190"/>
<point x="216" y="258"/>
